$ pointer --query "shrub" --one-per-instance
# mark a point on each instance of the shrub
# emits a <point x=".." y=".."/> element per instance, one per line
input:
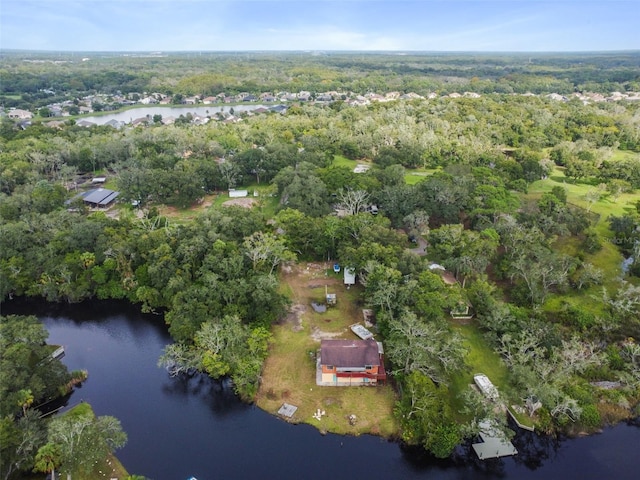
<point x="590" y="416"/>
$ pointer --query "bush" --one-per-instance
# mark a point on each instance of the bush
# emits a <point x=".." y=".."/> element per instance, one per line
<point x="590" y="416"/>
<point x="591" y="242"/>
<point x="614" y="359"/>
<point x="582" y="319"/>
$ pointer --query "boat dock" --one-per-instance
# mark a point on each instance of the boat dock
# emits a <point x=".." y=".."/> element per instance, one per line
<point x="493" y="444"/>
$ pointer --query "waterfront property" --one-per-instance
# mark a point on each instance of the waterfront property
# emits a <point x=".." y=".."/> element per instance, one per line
<point x="493" y="443"/>
<point x="351" y="363"/>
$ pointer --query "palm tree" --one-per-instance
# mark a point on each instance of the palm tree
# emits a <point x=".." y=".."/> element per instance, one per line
<point x="48" y="459"/>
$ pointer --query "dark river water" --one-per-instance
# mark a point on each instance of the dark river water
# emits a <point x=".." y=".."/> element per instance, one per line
<point x="179" y="428"/>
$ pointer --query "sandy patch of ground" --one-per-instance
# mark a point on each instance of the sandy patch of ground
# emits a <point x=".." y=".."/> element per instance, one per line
<point x="302" y="278"/>
<point x="241" y="202"/>
<point x="294" y="317"/>
<point x="319" y="335"/>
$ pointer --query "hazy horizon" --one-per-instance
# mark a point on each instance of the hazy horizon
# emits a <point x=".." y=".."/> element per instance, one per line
<point x="436" y="26"/>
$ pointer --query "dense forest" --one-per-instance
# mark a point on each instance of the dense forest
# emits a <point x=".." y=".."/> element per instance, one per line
<point x="530" y="202"/>
<point x="31" y="79"/>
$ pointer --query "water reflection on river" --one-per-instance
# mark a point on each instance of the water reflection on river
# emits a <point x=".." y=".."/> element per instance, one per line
<point x="196" y="426"/>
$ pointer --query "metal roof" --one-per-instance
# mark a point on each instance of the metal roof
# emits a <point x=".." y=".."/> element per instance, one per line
<point x="100" y="196"/>
<point x="349" y="353"/>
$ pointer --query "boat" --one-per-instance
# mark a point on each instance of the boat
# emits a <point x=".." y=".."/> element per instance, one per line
<point x="336" y="267"/>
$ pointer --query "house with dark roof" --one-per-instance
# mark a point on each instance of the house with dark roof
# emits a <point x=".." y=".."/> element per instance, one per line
<point x="351" y="362"/>
<point x="96" y="198"/>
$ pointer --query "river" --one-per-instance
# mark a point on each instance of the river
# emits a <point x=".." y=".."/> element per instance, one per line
<point x="181" y="427"/>
<point x="130" y="114"/>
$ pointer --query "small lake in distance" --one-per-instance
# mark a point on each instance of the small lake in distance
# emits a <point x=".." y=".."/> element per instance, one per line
<point x="183" y="427"/>
<point x="127" y="116"/>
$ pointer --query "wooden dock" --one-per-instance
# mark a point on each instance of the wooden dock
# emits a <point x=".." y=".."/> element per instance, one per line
<point x="493" y="444"/>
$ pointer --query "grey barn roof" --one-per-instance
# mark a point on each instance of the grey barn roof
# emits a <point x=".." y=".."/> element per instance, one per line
<point x="349" y="353"/>
<point x="100" y="196"/>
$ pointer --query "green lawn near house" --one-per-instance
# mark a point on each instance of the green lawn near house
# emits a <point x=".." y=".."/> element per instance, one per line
<point x="480" y="359"/>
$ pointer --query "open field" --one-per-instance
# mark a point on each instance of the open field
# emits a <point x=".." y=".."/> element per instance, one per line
<point x="413" y="176"/>
<point x="609" y="258"/>
<point x="289" y="373"/>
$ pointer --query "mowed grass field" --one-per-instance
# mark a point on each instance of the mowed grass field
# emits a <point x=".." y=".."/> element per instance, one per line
<point x="608" y="259"/>
<point x="289" y="374"/>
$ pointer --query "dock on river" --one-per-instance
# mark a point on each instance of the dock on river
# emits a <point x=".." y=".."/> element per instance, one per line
<point x="493" y="443"/>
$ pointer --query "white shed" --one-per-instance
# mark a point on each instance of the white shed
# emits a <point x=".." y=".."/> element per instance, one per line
<point x="233" y="193"/>
<point x="349" y="276"/>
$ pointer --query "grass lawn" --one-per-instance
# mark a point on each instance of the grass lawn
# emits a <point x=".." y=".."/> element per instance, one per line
<point x="413" y="176"/>
<point x="340" y="161"/>
<point x="289" y="373"/>
<point x="608" y="259"/>
<point x="481" y="359"/>
<point x="625" y="155"/>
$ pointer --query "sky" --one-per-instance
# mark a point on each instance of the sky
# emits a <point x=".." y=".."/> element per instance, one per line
<point x="320" y="25"/>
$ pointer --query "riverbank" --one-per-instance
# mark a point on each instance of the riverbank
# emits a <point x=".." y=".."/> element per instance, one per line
<point x="289" y="373"/>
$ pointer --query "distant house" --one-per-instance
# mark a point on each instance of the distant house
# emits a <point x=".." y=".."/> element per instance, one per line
<point x="148" y="100"/>
<point x="85" y="124"/>
<point x="278" y="108"/>
<point x="114" y="123"/>
<point x="351" y="362"/>
<point x="141" y="121"/>
<point x="97" y="198"/>
<point x="19" y="114"/>
<point x="233" y="193"/>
